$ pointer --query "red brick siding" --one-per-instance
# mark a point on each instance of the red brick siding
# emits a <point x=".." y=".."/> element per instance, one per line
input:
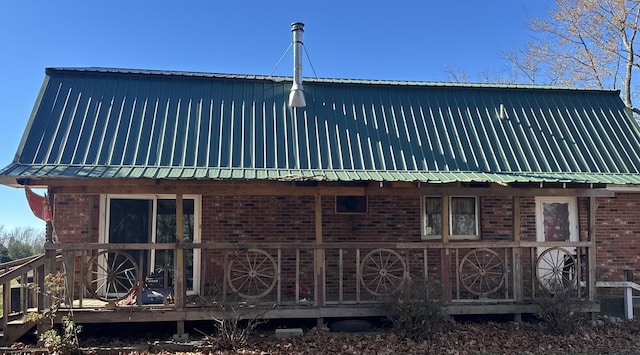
<point x="528" y="219"/>
<point x="265" y="219"/>
<point x="389" y="219"/>
<point x="617" y="235"/>
<point x="76" y="218"/>
<point x="496" y="221"/>
<point x="229" y="219"/>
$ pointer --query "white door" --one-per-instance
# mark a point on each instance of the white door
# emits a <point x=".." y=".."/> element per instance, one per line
<point x="556" y="221"/>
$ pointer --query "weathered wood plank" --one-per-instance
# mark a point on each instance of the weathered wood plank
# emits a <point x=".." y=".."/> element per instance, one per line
<point x="28" y="266"/>
<point x="312" y="245"/>
<point x="178" y="266"/>
<point x="517" y="252"/>
<point x="287" y="188"/>
<point x="591" y="251"/>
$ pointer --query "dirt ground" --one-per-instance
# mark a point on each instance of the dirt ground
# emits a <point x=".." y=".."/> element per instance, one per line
<point x="458" y="337"/>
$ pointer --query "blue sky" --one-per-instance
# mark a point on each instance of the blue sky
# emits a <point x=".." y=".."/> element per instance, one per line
<point x="399" y="40"/>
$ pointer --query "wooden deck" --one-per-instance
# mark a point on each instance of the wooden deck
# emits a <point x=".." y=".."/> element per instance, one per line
<point x="304" y="280"/>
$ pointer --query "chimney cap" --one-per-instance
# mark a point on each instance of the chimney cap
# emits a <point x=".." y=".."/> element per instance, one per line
<point x="297" y="26"/>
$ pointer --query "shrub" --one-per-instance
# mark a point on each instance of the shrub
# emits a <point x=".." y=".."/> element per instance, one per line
<point x="64" y="342"/>
<point x="234" y="325"/>
<point x="58" y="341"/>
<point x="561" y="311"/>
<point x="413" y="313"/>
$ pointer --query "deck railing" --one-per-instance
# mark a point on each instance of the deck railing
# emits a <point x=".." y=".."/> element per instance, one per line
<point x="320" y="274"/>
<point x="22" y="274"/>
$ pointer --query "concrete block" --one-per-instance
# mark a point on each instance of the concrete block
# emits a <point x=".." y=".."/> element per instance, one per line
<point x="181" y="338"/>
<point x="288" y="333"/>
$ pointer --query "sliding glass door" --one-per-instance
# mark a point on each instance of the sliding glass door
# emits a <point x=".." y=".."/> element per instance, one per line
<point x="152" y="219"/>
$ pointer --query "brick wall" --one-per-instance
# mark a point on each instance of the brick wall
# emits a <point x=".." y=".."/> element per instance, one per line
<point x="229" y="219"/>
<point x="76" y="218"/>
<point x="292" y="218"/>
<point x="496" y="222"/>
<point x="389" y="219"/>
<point x="618" y="235"/>
<point x="249" y="219"/>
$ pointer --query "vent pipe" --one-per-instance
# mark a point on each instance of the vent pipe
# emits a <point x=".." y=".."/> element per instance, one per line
<point x="296" y="96"/>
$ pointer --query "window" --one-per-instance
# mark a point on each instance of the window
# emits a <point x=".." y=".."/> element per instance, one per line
<point x="462" y="213"/>
<point x="557" y="219"/>
<point x="463" y="217"/>
<point x="432" y="217"/>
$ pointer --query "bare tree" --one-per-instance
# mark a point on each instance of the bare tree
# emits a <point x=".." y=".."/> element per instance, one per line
<point x="485" y="77"/>
<point x="456" y="75"/>
<point x="584" y="43"/>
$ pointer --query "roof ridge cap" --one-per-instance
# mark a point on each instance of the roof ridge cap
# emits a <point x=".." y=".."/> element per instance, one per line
<point x="442" y="84"/>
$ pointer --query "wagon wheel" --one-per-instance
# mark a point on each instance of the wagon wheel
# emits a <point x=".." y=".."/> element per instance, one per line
<point x="481" y="272"/>
<point x="252" y="274"/>
<point x="111" y="275"/>
<point x="382" y="271"/>
<point x="556" y="269"/>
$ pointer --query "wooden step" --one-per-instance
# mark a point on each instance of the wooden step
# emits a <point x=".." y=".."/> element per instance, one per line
<point x="15" y="329"/>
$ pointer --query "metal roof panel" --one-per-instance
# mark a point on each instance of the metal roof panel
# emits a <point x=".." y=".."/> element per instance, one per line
<point x="97" y="122"/>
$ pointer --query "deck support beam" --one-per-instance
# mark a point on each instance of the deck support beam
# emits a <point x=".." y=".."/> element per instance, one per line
<point x="517" y="256"/>
<point x="319" y="259"/>
<point x="591" y="263"/>
<point x="445" y="253"/>
<point x="179" y="270"/>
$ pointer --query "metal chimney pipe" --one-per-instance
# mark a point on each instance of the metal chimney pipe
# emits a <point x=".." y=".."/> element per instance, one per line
<point x="296" y="95"/>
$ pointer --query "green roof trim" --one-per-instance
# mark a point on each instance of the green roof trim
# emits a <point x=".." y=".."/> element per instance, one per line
<point x="123" y="123"/>
<point x="177" y="173"/>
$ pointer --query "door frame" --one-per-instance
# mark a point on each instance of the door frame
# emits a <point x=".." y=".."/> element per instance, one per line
<point x="103" y="235"/>
<point x="574" y="235"/>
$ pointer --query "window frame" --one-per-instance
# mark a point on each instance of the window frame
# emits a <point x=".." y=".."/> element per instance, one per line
<point x="105" y="203"/>
<point x="476" y="207"/>
<point x="573" y="219"/>
<point x="423" y="214"/>
<point x="448" y="211"/>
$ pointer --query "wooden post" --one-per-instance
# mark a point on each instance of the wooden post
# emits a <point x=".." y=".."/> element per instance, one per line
<point x="48" y="268"/>
<point x="179" y="270"/>
<point x="6" y="306"/>
<point x="517" y="256"/>
<point x="591" y="255"/>
<point x="24" y="294"/>
<point x="319" y="259"/>
<point x="69" y="269"/>
<point x="446" y="257"/>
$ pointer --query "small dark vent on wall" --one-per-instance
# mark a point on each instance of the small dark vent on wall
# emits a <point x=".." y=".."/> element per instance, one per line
<point x="351" y="204"/>
<point x="305" y="183"/>
<point x="476" y="184"/>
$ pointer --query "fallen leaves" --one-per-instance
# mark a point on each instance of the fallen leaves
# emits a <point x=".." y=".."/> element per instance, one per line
<point x="460" y="338"/>
<point x="467" y="338"/>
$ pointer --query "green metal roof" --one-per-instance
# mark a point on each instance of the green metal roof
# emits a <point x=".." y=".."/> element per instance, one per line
<point x="120" y="123"/>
